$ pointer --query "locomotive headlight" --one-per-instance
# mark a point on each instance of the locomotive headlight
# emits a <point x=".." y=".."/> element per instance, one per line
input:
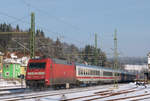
<point x="36" y="73"/>
<point x="46" y="81"/>
<point x="41" y="73"/>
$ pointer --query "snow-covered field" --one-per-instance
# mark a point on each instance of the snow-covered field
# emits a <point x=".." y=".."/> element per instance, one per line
<point x="8" y="84"/>
<point x="124" y="92"/>
<point x="105" y="94"/>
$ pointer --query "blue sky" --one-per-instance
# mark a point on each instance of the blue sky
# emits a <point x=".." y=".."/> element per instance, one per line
<point x="76" y="21"/>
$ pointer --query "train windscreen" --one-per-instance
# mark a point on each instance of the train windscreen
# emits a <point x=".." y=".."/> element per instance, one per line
<point x="37" y="65"/>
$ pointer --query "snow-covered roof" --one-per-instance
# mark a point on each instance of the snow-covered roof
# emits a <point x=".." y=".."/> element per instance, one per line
<point x="1" y="53"/>
<point x="103" y="68"/>
<point x="22" y="61"/>
<point x="135" y="67"/>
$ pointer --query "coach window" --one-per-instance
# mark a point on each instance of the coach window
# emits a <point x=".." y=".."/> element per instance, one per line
<point x="78" y="71"/>
<point x="95" y="72"/>
<point x="118" y="74"/>
<point x="85" y="71"/>
<point x="105" y="73"/>
<point x="81" y="72"/>
<point x="98" y="72"/>
<point x="88" y="72"/>
<point x="92" y="73"/>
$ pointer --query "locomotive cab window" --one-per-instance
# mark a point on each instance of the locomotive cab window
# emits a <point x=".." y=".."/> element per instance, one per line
<point x="37" y="65"/>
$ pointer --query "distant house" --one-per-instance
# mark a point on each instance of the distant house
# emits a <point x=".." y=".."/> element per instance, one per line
<point x="14" y="67"/>
<point x="11" y="70"/>
<point x="135" y="68"/>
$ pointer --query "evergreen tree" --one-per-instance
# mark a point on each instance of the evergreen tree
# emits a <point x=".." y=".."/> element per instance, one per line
<point x="17" y="28"/>
<point x="93" y="56"/>
<point x="58" y="49"/>
<point x="49" y="48"/>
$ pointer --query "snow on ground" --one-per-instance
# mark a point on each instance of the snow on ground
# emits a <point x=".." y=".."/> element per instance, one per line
<point x="140" y="90"/>
<point x="8" y="84"/>
<point x="98" y="90"/>
<point x="95" y="93"/>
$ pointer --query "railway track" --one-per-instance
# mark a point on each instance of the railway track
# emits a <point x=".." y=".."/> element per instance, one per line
<point x="103" y="94"/>
<point x="142" y="99"/>
<point x="114" y="94"/>
<point x="7" y="92"/>
<point x="34" y="95"/>
<point x="10" y="89"/>
<point x="130" y="98"/>
<point x="13" y="91"/>
<point x="108" y="93"/>
<point x="125" y="98"/>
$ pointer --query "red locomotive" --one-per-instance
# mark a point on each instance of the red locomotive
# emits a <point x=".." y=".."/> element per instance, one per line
<point x="54" y="72"/>
<point x="46" y="72"/>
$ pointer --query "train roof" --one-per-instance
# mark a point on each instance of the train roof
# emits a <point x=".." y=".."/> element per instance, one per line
<point x="92" y="66"/>
<point x="103" y="68"/>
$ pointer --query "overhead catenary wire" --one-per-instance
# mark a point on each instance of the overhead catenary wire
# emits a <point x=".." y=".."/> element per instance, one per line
<point x="5" y="14"/>
<point x="21" y="20"/>
<point x="55" y="34"/>
<point x="55" y="17"/>
<point x="50" y="15"/>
